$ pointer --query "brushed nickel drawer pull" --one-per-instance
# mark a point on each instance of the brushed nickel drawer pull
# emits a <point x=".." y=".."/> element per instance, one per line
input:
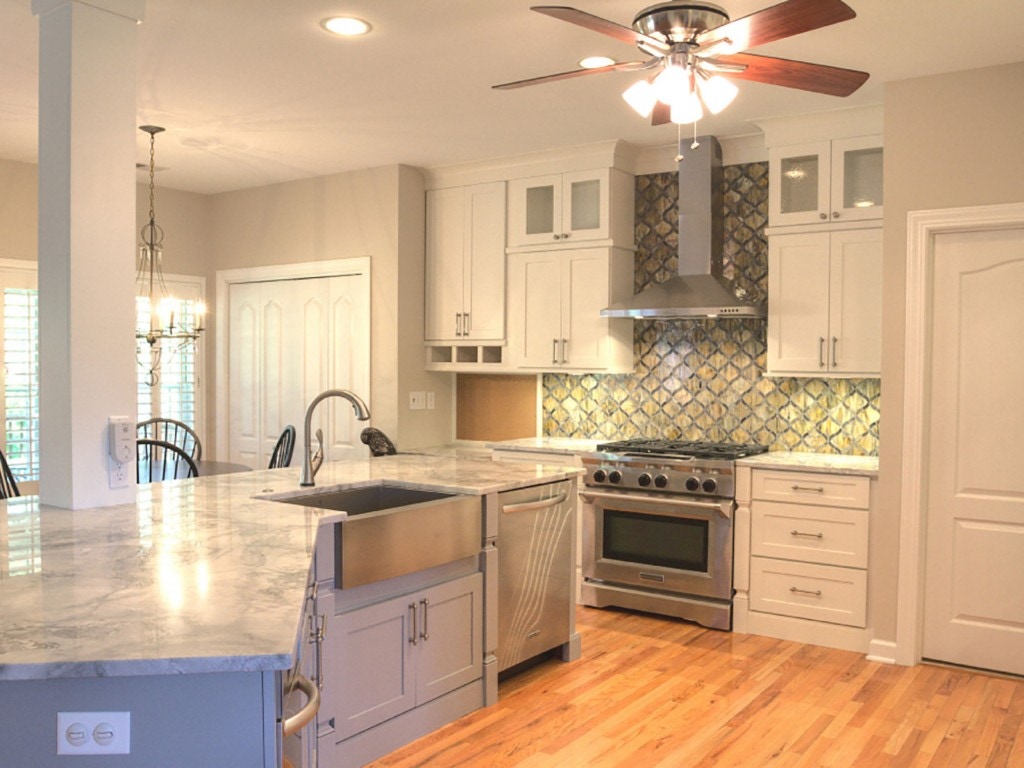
<point x="412" y="623"/>
<point x="795" y="532"/>
<point x="821" y="351"/>
<point x="809" y="488"/>
<point x="835" y="354"/>
<point x="811" y="592"/>
<point x="425" y="635"/>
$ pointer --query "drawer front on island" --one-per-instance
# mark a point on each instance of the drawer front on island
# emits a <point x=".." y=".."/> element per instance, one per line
<point x="826" y="535"/>
<point x="808" y="591"/>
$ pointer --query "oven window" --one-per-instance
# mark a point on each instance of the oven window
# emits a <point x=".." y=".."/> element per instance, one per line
<point x="671" y="542"/>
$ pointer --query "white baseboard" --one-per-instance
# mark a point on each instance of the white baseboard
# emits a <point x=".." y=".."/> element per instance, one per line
<point x="883" y="651"/>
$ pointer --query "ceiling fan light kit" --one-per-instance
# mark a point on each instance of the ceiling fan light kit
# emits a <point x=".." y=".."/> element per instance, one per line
<point x="695" y="48"/>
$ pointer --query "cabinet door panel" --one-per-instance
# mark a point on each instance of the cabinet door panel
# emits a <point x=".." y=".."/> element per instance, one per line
<point x="585" y="294"/>
<point x="585" y="205"/>
<point x="798" y="306"/>
<point x="446" y="237"/>
<point x="855" y="313"/>
<point x="484" y="278"/>
<point x="535" y="210"/>
<point x="857" y="179"/>
<point x="451" y="654"/>
<point x="799" y="188"/>
<point x="535" y="308"/>
<point x="368" y="661"/>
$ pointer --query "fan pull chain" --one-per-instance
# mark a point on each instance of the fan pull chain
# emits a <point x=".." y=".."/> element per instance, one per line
<point x="679" y="141"/>
<point x="695" y="142"/>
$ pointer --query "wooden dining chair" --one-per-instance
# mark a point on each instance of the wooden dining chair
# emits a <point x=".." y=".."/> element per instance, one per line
<point x="8" y="486"/>
<point x="282" y="455"/>
<point x="159" y="460"/>
<point x="171" y="431"/>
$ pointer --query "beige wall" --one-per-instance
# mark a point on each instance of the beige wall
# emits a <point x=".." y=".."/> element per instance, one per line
<point x="378" y="213"/>
<point x="19" y="201"/>
<point x="950" y="141"/>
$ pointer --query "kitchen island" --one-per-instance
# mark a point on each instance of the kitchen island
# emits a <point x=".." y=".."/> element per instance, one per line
<point x="184" y="608"/>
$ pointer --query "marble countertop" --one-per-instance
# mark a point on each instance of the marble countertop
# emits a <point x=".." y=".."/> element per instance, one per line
<point x="196" y="576"/>
<point x="820" y="462"/>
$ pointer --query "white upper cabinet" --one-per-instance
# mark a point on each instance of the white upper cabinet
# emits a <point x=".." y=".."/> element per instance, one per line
<point x="555" y="303"/>
<point x="565" y="209"/>
<point x="465" y="263"/>
<point x="825" y="303"/>
<point x="822" y="182"/>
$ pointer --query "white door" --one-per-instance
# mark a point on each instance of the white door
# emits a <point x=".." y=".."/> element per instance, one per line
<point x="798" y="275"/>
<point x="974" y="561"/>
<point x="288" y="341"/>
<point x="584" y="295"/>
<point x="535" y="308"/>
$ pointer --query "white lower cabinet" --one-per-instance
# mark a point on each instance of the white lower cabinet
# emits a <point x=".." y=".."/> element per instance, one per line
<point x="804" y="540"/>
<point x="555" y="300"/>
<point x="385" y="659"/>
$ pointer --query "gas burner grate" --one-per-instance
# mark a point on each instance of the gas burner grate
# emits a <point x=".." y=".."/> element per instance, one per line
<point x="695" y="449"/>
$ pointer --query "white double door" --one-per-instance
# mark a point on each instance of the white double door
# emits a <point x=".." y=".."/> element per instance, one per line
<point x="289" y="340"/>
<point x="974" y="570"/>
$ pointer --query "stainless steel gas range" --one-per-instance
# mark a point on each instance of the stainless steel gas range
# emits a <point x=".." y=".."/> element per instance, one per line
<point x="657" y="527"/>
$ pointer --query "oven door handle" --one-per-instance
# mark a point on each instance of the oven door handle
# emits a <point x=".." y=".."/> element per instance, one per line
<point x="724" y="508"/>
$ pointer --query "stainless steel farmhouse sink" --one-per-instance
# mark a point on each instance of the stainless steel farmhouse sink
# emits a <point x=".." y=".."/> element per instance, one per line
<point x="392" y="530"/>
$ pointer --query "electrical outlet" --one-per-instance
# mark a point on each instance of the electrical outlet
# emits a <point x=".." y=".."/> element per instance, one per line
<point x="417" y="401"/>
<point x="93" y="733"/>
<point x="119" y="473"/>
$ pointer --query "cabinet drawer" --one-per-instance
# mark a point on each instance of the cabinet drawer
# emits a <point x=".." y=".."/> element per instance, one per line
<point x="827" y="535"/>
<point x="806" y="591"/>
<point x="812" y="488"/>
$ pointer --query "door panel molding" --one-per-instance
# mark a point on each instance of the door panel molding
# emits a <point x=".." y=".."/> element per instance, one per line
<point x="922" y="229"/>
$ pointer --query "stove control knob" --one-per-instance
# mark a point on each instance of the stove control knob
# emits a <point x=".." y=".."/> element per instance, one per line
<point x="615" y="476"/>
<point x="692" y="484"/>
<point x="661" y="481"/>
<point x="710" y="485"/>
<point x="644" y="480"/>
<point x="599" y="475"/>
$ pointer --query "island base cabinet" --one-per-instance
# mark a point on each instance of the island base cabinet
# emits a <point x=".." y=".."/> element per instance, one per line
<point x="386" y="663"/>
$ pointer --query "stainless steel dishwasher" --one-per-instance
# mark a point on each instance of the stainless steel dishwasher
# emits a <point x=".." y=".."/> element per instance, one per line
<point x="536" y="570"/>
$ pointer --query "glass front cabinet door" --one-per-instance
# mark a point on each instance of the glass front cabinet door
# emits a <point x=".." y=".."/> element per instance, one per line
<point x="559" y="209"/>
<point x="826" y="181"/>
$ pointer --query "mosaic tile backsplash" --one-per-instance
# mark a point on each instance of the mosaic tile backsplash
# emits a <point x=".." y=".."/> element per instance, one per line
<point x="702" y="379"/>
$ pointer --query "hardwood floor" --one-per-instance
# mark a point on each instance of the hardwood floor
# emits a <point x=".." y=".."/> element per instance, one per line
<point x="655" y="692"/>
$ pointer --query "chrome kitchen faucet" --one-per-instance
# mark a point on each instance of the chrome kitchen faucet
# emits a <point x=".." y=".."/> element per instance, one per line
<point x="362" y="413"/>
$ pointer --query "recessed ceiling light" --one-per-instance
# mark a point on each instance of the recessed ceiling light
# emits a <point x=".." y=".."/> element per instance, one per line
<point x="348" y="26"/>
<point x="593" y="62"/>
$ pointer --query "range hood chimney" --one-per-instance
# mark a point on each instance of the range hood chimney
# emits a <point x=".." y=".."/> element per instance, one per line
<point x="700" y="289"/>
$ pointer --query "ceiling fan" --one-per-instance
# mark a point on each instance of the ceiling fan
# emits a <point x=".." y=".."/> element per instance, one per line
<point x="695" y="49"/>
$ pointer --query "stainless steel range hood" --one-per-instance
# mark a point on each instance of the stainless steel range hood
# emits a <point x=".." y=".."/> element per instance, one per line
<point x="700" y="289"/>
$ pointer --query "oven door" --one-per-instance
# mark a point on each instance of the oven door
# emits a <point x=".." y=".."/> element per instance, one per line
<point x="659" y="542"/>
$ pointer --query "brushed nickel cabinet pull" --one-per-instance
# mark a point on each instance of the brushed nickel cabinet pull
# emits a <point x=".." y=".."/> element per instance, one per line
<point x="835" y="355"/>
<point x="565" y="359"/>
<point x="458" y="324"/>
<point x="821" y="351"/>
<point x="465" y="323"/>
<point x="424" y="635"/>
<point x="412" y="623"/>
<point x="795" y="532"/>
<point x="554" y="351"/>
<point x="811" y="592"/>
<point x="808" y="488"/>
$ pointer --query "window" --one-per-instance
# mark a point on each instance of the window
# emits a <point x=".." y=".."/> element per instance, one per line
<point x="176" y="394"/>
<point x="21" y="381"/>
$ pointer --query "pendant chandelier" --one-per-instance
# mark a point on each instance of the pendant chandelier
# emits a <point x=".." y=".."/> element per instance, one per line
<point x="173" y="323"/>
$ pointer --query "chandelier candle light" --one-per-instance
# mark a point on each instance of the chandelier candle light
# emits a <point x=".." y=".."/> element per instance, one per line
<point x="170" y="319"/>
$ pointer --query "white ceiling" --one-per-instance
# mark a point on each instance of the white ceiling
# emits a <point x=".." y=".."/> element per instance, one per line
<point x="253" y="92"/>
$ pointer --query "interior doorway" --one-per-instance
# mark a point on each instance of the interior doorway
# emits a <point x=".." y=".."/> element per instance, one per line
<point x="962" y="537"/>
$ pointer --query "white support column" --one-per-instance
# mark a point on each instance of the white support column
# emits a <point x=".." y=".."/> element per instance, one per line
<point x="87" y="139"/>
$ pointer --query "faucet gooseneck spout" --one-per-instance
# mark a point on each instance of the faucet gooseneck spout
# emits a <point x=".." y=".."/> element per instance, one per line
<point x="362" y="413"/>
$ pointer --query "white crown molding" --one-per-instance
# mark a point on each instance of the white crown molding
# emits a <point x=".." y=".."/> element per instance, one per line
<point x="819" y="126"/>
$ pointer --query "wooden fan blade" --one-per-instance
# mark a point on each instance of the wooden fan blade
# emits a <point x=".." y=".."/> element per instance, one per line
<point x="802" y="75"/>
<point x="662" y="114"/>
<point x="603" y="26"/>
<point x="792" y="17"/>
<point x="625" y="66"/>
